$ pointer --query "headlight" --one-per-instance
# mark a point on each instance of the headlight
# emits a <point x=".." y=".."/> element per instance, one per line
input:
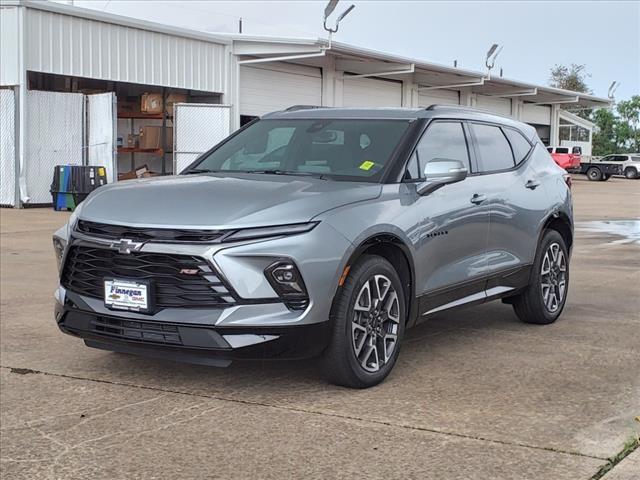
<point x="59" y="245"/>
<point x="263" y="232"/>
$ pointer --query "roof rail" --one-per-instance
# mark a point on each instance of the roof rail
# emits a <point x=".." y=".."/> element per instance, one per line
<point x="452" y="107"/>
<point x="294" y="108"/>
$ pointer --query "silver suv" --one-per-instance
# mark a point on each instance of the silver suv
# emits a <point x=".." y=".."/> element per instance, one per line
<point x="321" y="232"/>
<point x="629" y="162"/>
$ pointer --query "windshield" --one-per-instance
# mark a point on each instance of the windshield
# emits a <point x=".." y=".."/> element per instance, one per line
<point x="340" y="149"/>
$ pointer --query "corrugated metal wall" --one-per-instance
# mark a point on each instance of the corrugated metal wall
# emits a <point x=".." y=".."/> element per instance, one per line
<point x="9" y="59"/>
<point x="81" y="47"/>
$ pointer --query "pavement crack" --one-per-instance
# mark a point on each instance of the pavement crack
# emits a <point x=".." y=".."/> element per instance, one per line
<point x="315" y="412"/>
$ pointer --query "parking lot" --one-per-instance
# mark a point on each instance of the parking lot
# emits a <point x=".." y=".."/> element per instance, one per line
<point x="476" y="394"/>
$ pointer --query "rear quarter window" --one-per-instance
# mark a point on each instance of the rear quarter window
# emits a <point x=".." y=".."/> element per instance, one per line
<point x="519" y="144"/>
<point x="493" y="148"/>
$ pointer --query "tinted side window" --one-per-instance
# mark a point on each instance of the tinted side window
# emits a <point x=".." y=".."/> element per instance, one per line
<point x="519" y="144"/>
<point x="493" y="148"/>
<point x="443" y="140"/>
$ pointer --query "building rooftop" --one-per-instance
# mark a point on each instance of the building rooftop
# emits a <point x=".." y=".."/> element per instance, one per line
<point x="349" y="58"/>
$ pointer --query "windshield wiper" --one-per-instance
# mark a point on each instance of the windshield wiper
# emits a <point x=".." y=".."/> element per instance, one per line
<point x="287" y="172"/>
<point x="198" y="170"/>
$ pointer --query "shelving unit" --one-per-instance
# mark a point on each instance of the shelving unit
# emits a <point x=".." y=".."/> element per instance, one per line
<point x="160" y="152"/>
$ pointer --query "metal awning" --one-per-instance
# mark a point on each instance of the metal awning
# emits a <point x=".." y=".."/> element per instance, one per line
<point x="360" y="62"/>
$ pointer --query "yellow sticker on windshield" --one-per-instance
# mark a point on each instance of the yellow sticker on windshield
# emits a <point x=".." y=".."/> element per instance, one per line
<point x="366" y="165"/>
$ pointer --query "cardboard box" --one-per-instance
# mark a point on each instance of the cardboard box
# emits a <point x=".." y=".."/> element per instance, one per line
<point x="133" y="140"/>
<point x="150" y="137"/>
<point x="140" y="172"/>
<point x="151" y="103"/>
<point x="128" y="108"/>
<point x="174" y="98"/>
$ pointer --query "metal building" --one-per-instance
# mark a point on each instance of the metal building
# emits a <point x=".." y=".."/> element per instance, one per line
<point x="70" y="78"/>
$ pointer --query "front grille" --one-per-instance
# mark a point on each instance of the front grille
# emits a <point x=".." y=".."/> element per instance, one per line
<point x="135" y="330"/>
<point x="145" y="234"/>
<point x="181" y="281"/>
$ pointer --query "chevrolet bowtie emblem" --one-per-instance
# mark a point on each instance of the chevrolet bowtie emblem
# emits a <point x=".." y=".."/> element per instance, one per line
<point x="126" y="246"/>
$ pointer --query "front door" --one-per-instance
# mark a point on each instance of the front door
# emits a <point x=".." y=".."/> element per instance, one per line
<point x="451" y="259"/>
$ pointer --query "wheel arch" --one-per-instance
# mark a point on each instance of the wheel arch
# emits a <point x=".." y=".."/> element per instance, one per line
<point x="561" y="223"/>
<point x="393" y="249"/>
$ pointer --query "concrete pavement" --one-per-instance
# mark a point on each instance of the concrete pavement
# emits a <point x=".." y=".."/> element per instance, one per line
<point x="476" y="394"/>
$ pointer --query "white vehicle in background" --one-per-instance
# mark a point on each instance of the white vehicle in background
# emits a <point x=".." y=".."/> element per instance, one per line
<point x="630" y="163"/>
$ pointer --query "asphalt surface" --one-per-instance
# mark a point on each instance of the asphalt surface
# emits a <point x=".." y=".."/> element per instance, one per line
<point x="476" y="394"/>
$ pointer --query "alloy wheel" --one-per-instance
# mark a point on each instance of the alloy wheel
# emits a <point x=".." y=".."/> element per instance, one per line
<point x="375" y="323"/>
<point x="553" y="276"/>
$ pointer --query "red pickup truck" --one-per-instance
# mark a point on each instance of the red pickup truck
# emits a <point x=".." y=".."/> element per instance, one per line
<point x="566" y="157"/>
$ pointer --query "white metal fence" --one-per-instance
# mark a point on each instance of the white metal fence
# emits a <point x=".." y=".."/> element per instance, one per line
<point x="54" y="136"/>
<point x="101" y="127"/>
<point x="7" y="148"/>
<point x="197" y="128"/>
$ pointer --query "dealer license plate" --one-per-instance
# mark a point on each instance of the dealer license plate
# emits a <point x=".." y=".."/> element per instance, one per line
<point x="126" y="295"/>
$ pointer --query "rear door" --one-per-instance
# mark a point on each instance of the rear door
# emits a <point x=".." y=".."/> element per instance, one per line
<point x="518" y="203"/>
<point x="451" y="259"/>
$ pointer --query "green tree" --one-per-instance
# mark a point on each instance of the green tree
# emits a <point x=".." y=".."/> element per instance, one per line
<point x="573" y="77"/>
<point x="617" y="131"/>
<point x="604" y="135"/>
<point x="628" y="132"/>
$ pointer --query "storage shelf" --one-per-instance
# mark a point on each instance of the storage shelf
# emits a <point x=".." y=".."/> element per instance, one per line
<point x="136" y="115"/>
<point x="154" y="151"/>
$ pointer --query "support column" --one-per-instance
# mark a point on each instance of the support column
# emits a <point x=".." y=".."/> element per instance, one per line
<point x="20" y="94"/>
<point x="516" y="108"/>
<point x="409" y="93"/>
<point x="467" y="97"/>
<point x="329" y="82"/>
<point x="554" y="130"/>
<point x="232" y="95"/>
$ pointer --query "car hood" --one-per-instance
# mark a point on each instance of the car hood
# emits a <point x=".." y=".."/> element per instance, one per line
<point x="220" y="201"/>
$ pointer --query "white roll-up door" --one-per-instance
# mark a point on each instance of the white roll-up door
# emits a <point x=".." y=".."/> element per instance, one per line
<point x="269" y="87"/>
<point x="498" y="105"/>
<point x="438" y="97"/>
<point x="371" y="92"/>
<point x="536" y="114"/>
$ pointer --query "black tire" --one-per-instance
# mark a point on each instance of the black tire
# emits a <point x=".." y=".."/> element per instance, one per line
<point x="530" y="306"/>
<point x="340" y="362"/>
<point x="606" y="177"/>
<point x="594" y="174"/>
<point x="630" y="173"/>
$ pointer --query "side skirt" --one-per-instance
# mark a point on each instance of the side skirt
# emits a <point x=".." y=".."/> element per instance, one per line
<point x="500" y="285"/>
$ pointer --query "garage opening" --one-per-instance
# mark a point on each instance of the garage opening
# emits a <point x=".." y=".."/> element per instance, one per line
<point x="127" y="128"/>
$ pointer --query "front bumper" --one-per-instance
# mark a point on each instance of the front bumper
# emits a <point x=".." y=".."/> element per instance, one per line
<point x="257" y="325"/>
<point x="191" y="343"/>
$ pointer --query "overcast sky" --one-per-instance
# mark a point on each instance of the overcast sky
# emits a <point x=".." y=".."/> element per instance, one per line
<point x="536" y="35"/>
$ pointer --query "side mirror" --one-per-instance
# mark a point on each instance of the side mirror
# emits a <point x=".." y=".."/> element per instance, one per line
<point x="439" y="172"/>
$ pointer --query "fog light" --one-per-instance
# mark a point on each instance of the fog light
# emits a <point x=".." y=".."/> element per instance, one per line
<point x="286" y="280"/>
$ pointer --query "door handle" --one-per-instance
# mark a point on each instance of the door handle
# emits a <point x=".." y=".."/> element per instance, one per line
<point x="478" y="199"/>
<point x="532" y="184"/>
